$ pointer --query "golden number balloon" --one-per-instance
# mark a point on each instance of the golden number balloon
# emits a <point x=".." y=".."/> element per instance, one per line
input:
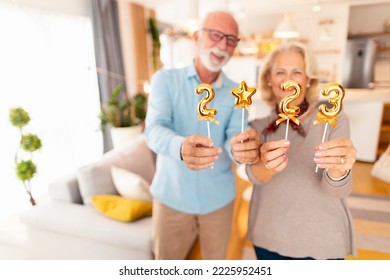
<point x="288" y="111"/>
<point x="243" y="95"/>
<point x="330" y="115"/>
<point x="204" y="113"/>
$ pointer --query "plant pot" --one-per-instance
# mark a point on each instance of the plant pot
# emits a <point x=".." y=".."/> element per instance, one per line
<point x="122" y="136"/>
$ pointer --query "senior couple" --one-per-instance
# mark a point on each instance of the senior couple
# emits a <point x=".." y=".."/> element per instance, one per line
<point x="295" y="212"/>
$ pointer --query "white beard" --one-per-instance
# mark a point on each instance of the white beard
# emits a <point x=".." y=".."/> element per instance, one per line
<point x="213" y="66"/>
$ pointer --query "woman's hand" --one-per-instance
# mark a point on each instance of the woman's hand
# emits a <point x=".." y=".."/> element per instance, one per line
<point x="273" y="159"/>
<point x="337" y="156"/>
<point x="273" y="155"/>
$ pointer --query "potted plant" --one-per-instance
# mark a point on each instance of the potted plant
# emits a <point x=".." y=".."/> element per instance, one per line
<point x="29" y="143"/>
<point x="125" y="115"/>
<point x="156" y="45"/>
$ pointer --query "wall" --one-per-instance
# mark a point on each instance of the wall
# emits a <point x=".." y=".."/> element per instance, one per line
<point x="75" y="7"/>
<point x="136" y="44"/>
<point x="325" y="32"/>
<point x="368" y="18"/>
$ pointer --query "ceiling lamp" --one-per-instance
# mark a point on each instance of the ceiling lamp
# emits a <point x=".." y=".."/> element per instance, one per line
<point x="286" y="28"/>
<point x="317" y="7"/>
<point x="187" y="15"/>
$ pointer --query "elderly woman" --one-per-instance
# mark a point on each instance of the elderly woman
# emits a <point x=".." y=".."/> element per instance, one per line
<point x="296" y="212"/>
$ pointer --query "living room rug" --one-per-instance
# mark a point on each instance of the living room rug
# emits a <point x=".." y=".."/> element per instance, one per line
<point x="371" y="217"/>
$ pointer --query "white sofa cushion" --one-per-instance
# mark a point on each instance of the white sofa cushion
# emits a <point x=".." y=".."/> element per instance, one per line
<point x="84" y="222"/>
<point x="96" y="178"/>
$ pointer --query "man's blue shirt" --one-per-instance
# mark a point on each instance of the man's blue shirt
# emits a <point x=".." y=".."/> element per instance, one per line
<point x="172" y="115"/>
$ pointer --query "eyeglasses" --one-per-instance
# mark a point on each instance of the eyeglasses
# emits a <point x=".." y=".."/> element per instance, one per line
<point x="217" y="36"/>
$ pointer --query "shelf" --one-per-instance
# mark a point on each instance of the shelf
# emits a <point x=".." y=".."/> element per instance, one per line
<point x="326" y="52"/>
<point x="385" y="127"/>
<point x="368" y="35"/>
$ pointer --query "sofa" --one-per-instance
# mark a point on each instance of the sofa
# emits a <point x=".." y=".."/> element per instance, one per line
<point x="68" y="226"/>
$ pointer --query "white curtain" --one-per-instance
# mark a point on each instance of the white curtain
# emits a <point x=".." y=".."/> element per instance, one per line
<point x="47" y="66"/>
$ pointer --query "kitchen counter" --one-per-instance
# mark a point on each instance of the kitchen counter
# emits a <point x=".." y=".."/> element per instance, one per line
<point x="379" y="94"/>
<point x="364" y="108"/>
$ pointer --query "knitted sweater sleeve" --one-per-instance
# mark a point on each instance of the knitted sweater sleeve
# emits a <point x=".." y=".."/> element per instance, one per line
<point x="342" y="188"/>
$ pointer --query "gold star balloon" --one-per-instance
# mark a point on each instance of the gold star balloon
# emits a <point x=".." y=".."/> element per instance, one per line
<point x="243" y="95"/>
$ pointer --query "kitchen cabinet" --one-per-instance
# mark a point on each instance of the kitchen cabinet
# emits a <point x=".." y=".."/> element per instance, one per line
<point x="367" y="110"/>
<point x="369" y="18"/>
<point x="368" y="35"/>
<point x="364" y="121"/>
<point x="384" y="136"/>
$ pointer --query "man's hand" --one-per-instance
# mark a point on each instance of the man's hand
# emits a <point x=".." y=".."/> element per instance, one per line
<point x="245" y="146"/>
<point x="198" y="152"/>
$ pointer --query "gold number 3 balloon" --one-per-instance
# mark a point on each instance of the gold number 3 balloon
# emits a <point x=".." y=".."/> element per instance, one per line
<point x="204" y="113"/>
<point x="288" y="111"/>
<point x="330" y="115"/>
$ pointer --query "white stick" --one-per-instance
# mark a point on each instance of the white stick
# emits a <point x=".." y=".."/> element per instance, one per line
<point x="208" y="129"/>
<point x="209" y="134"/>
<point x="323" y="139"/>
<point x="288" y="122"/>
<point x="242" y="119"/>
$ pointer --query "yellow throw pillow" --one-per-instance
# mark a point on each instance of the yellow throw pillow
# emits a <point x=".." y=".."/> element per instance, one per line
<point x="121" y="208"/>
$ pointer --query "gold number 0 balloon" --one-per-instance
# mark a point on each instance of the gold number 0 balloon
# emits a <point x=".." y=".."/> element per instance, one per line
<point x="287" y="111"/>
<point x="204" y="113"/>
<point x="330" y="115"/>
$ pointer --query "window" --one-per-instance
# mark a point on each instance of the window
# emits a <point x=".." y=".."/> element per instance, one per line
<point x="47" y="66"/>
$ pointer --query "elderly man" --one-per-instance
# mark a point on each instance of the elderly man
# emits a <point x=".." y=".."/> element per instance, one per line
<point x="194" y="187"/>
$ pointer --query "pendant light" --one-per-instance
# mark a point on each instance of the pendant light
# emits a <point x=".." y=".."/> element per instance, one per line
<point x="286" y="28"/>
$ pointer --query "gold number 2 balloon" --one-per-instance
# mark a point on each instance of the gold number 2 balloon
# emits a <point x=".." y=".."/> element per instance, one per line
<point x="330" y="115"/>
<point x="204" y="113"/>
<point x="288" y="111"/>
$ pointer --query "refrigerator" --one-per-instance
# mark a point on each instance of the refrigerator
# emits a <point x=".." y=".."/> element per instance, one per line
<point x="358" y="66"/>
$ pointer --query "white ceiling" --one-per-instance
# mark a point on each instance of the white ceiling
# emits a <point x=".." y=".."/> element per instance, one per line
<point x="176" y="12"/>
<point x="168" y="9"/>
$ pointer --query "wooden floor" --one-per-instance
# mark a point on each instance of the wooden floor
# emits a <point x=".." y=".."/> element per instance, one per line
<point x="364" y="183"/>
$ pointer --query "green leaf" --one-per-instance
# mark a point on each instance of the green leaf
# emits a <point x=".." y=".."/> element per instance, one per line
<point x="19" y="117"/>
<point x="122" y="110"/>
<point x="141" y="101"/>
<point x="25" y="170"/>
<point x="30" y="142"/>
